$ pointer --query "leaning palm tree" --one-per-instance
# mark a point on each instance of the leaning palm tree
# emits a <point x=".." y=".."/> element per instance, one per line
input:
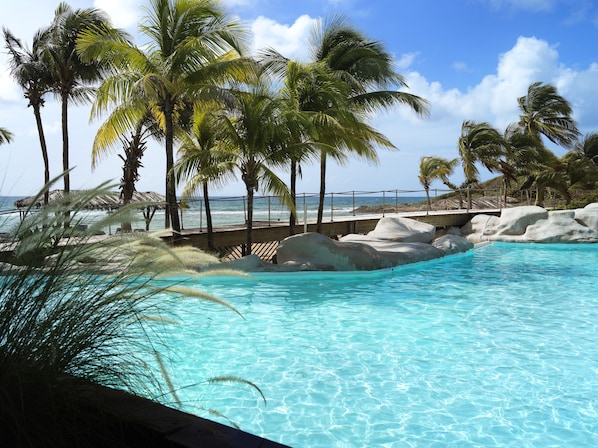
<point x="5" y="136"/>
<point x="520" y="152"/>
<point x="480" y="143"/>
<point x="367" y="69"/>
<point x="582" y="162"/>
<point x="545" y="112"/>
<point x="73" y="79"/>
<point x="435" y="168"/>
<point x="192" y="49"/>
<point x="30" y="69"/>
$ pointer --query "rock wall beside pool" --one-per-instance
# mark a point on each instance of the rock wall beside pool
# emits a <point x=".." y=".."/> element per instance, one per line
<point x="534" y="224"/>
<point x="395" y="241"/>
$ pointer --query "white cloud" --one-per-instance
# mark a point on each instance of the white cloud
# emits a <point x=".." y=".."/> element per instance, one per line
<point x="406" y="60"/>
<point x="289" y="40"/>
<point x="123" y="13"/>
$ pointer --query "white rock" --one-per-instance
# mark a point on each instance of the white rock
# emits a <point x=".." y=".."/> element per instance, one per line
<point x="535" y="224"/>
<point x="560" y="227"/>
<point x="588" y="216"/>
<point x="406" y="230"/>
<point x="318" y="252"/>
<point x="480" y="227"/>
<point x="514" y="221"/>
<point x="452" y="244"/>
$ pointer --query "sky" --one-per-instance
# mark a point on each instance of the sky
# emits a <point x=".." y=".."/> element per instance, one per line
<point x="471" y="59"/>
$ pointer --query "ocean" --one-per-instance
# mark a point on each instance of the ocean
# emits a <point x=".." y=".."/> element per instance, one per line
<point x="232" y="211"/>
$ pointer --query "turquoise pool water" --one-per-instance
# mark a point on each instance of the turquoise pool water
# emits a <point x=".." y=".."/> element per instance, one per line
<point x="497" y="347"/>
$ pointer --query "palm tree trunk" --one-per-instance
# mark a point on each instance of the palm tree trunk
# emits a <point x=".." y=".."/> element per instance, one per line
<point x="540" y="196"/>
<point x="171" y="202"/>
<point x="249" y="240"/>
<point x="429" y="203"/>
<point x="65" y="154"/>
<point x="293" y="196"/>
<point x="44" y="147"/>
<point x="208" y="216"/>
<point x="322" y="192"/>
<point x="65" y="143"/>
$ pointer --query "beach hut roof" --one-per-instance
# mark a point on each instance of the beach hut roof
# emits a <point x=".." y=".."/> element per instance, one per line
<point x="110" y="201"/>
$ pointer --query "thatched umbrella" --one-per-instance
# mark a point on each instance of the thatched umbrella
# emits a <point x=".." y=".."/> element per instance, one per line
<point x="149" y="200"/>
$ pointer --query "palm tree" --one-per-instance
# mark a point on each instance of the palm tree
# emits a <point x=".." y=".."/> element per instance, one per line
<point x="478" y="143"/>
<point x="29" y="68"/>
<point x="433" y="168"/>
<point x="73" y="79"/>
<point x="198" y="165"/>
<point x="546" y="171"/>
<point x="582" y="162"/>
<point x="310" y="97"/>
<point x="520" y="153"/>
<point x="192" y="49"/>
<point x="5" y="136"/>
<point x="545" y="112"/>
<point x="251" y="135"/>
<point x="367" y="69"/>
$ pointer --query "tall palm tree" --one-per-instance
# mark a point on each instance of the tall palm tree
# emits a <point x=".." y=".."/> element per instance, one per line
<point x="192" y="49"/>
<point x="29" y="68"/>
<point x="5" y="136"/>
<point x="480" y="143"/>
<point x="251" y="133"/>
<point x="435" y="168"/>
<point x="545" y="112"/>
<point x="73" y="79"/>
<point x="311" y="97"/>
<point x="367" y="69"/>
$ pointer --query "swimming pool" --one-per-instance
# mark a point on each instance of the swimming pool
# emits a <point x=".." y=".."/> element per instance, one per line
<point x="496" y="347"/>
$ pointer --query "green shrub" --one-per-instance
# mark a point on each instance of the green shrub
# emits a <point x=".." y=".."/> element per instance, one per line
<point x="72" y="313"/>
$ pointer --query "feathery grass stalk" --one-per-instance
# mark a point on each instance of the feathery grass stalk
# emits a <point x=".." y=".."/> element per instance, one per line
<point x="73" y="312"/>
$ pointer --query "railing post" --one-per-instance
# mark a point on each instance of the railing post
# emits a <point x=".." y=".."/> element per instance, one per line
<point x="331" y="207"/>
<point x="269" y="211"/>
<point x="353" y="202"/>
<point x="200" y="215"/>
<point x="304" y="214"/>
<point x="182" y="223"/>
<point x="396" y="201"/>
<point x="383" y="202"/>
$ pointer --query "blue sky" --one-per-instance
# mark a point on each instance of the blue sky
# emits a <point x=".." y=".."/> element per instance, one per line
<point x="471" y="59"/>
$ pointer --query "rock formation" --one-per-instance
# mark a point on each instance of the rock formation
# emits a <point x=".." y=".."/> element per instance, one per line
<point x="394" y="241"/>
<point x="536" y="225"/>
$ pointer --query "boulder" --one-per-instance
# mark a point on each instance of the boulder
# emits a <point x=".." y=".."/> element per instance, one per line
<point x="535" y="224"/>
<point x="588" y="216"/>
<point x="514" y="221"/>
<point x="560" y="227"/>
<point x="313" y="251"/>
<point x="480" y="227"/>
<point x="452" y="244"/>
<point x="405" y="230"/>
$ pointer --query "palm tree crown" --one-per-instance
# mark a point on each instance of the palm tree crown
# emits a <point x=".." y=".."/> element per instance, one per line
<point x="545" y="112"/>
<point x="190" y="52"/>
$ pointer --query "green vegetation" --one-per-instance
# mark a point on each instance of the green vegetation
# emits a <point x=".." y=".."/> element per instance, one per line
<point x="74" y="312"/>
<point x="521" y="157"/>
